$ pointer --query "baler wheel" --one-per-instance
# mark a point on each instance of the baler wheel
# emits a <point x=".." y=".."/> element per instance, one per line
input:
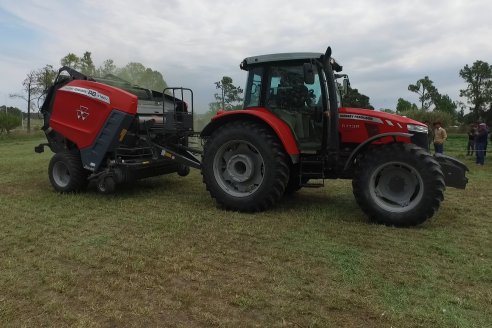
<point x="106" y="185"/>
<point x="66" y="172"/>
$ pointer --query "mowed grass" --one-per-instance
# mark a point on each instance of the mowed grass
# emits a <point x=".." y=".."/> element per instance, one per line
<point x="161" y="254"/>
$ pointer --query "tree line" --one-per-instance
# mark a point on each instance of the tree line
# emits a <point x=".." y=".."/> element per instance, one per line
<point x="433" y="104"/>
<point x="37" y="82"/>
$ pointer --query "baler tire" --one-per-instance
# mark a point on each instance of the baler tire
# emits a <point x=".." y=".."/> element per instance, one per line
<point x="398" y="185"/>
<point x="183" y="170"/>
<point x="66" y="172"/>
<point x="244" y="167"/>
<point x="106" y="185"/>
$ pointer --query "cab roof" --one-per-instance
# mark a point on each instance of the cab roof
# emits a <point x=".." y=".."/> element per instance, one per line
<point x="279" y="57"/>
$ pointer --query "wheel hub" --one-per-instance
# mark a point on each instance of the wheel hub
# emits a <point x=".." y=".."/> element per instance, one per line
<point x="61" y="174"/>
<point x="240" y="167"/>
<point x="396" y="187"/>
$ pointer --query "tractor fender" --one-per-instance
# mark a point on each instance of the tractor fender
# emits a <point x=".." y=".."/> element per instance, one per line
<point x="369" y="141"/>
<point x="261" y="115"/>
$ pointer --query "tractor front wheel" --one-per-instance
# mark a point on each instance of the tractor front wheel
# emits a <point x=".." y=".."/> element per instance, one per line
<point x="398" y="184"/>
<point x="245" y="167"/>
<point x="66" y="172"/>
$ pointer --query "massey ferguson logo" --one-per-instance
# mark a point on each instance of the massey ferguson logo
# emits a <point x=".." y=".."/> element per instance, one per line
<point x="82" y="113"/>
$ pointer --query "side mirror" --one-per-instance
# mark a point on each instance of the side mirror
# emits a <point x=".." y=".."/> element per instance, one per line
<point x="346" y="85"/>
<point x="308" y="73"/>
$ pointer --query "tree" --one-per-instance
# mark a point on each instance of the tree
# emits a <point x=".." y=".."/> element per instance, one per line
<point x="138" y="74"/>
<point x="444" y="103"/>
<point x="44" y="78"/>
<point x="229" y="95"/>
<point x="353" y="98"/>
<point x="426" y="90"/>
<point x="71" y="60"/>
<point x="214" y="107"/>
<point x="479" y="87"/>
<point x="11" y="110"/>
<point x="9" y="120"/>
<point x="87" y="65"/>
<point x="108" y="67"/>
<point x="30" y="88"/>
<point x="404" y="105"/>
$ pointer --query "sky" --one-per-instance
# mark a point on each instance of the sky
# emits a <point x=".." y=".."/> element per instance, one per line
<point x="383" y="45"/>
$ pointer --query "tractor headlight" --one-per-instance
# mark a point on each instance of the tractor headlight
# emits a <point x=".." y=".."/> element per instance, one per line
<point x="417" y="128"/>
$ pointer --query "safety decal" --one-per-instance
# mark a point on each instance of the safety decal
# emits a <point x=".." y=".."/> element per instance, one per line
<point x="88" y="93"/>
<point x="361" y="118"/>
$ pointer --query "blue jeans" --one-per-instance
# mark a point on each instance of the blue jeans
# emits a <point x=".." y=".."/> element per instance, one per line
<point x="480" y="151"/>
<point x="439" y="148"/>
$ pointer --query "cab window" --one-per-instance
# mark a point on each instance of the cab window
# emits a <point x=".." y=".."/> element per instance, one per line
<point x="253" y="88"/>
<point x="296" y="102"/>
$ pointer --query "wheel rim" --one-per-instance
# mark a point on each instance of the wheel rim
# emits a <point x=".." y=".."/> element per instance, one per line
<point x="239" y="168"/>
<point x="396" y="187"/>
<point x="101" y="185"/>
<point x="61" y="174"/>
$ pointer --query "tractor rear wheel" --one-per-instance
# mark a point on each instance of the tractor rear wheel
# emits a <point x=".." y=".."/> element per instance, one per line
<point x="66" y="172"/>
<point x="245" y="167"/>
<point x="398" y="184"/>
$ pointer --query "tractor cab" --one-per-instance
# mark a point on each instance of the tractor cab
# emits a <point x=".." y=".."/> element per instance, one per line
<point x="293" y="87"/>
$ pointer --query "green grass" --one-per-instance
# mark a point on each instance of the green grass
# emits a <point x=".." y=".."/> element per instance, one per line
<point x="161" y="254"/>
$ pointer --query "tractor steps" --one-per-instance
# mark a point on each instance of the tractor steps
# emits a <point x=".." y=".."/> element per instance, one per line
<point x="311" y="167"/>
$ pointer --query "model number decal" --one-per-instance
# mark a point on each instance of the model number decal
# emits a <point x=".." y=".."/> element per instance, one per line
<point x="361" y="118"/>
<point x="87" y="92"/>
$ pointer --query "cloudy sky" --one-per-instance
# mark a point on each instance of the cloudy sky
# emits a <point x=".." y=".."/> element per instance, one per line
<point x="383" y="45"/>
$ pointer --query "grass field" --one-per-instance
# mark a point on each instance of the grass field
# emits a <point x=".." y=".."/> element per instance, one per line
<point x="161" y="254"/>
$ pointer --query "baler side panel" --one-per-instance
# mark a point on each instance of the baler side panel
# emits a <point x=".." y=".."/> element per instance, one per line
<point x="81" y="108"/>
<point x="107" y="140"/>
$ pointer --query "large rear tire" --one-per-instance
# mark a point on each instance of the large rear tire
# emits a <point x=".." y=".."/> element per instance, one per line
<point x="66" y="172"/>
<point x="398" y="184"/>
<point x="244" y="167"/>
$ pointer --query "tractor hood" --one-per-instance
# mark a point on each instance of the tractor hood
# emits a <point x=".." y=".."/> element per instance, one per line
<point x="379" y="117"/>
<point x="357" y="125"/>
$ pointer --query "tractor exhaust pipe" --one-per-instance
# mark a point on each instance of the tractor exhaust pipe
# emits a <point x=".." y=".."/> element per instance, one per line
<point x="330" y="126"/>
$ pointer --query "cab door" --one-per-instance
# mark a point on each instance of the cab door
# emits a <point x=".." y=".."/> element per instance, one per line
<point x="297" y="103"/>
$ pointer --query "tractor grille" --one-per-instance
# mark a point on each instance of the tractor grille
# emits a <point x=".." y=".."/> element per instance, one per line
<point x="420" y="139"/>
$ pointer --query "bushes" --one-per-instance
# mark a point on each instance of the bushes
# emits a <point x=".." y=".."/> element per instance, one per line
<point x="8" y="122"/>
<point x="436" y="116"/>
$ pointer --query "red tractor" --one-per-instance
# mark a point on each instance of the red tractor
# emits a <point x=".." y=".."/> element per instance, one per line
<point x="293" y="129"/>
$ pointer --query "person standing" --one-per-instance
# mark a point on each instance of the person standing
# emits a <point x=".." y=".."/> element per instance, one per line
<point x="481" y="144"/>
<point x="471" y="140"/>
<point x="440" y="137"/>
